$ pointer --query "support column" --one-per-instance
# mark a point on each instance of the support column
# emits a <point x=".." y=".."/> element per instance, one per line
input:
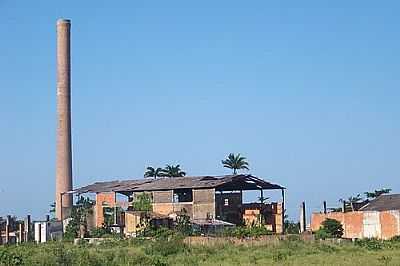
<point x="39" y="233"/>
<point x="283" y="210"/>
<point x="27" y="227"/>
<point x="303" y="220"/>
<point x="324" y="207"/>
<point x="21" y="233"/>
<point x="8" y="226"/>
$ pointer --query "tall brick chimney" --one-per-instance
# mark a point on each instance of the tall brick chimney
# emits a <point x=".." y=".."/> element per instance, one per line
<point x="64" y="150"/>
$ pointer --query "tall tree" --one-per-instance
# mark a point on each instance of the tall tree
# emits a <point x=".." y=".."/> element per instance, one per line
<point x="235" y="162"/>
<point x="153" y="172"/>
<point x="172" y="171"/>
<point x="377" y="193"/>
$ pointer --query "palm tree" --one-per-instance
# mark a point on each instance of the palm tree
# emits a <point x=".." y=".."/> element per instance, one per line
<point x="172" y="171"/>
<point x="235" y="162"/>
<point x="377" y="193"/>
<point x="153" y="172"/>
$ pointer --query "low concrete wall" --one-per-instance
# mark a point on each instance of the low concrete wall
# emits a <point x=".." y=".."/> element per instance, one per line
<point x="363" y="224"/>
<point x="259" y="241"/>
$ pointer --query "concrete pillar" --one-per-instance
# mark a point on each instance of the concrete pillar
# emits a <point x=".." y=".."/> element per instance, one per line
<point x="8" y="221"/>
<point x="283" y="210"/>
<point x="64" y="151"/>
<point x="39" y="240"/>
<point x="27" y="227"/>
<point x="21" y="233"/>
<point x="303" y="221"/>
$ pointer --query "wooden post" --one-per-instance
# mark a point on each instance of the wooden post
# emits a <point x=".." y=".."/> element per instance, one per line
<point x="283" y="210"/>
<point x="303" y="220"/>
<point x="61" y="207"/>
<point x="40" y="233"/>
<point x="344" y="206"/>
<point x="115" y="208"/>
<point x="47" y="218"/>
<point x="324" y="207"/>
<point x="261" y="196"/>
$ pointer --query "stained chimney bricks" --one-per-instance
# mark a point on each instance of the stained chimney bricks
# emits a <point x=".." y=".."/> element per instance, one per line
<point x="64" y="150"/>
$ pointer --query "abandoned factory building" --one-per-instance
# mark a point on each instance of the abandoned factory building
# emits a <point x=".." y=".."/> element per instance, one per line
<point x="379" y="218"/>
<point x="205" y="199"/>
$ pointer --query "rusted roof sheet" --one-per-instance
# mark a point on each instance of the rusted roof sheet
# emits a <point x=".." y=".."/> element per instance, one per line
<point x="383" y="203"/>
<point x="227" y="182"/>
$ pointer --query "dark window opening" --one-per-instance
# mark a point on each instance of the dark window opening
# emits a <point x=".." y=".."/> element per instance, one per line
<point x="183" y="195"/>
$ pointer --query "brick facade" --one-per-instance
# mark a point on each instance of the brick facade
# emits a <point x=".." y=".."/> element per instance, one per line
<point x="363" y="224"/>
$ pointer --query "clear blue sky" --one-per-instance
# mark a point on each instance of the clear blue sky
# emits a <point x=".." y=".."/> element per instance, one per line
<point x="308" y="91"/>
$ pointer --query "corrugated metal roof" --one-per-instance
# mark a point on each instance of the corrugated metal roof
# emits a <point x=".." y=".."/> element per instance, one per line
<point x="383" y="203"/>
<point x="227" y="182"/>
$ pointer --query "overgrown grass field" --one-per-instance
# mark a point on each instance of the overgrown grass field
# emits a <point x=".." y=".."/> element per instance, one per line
<point x="173" y="251"/>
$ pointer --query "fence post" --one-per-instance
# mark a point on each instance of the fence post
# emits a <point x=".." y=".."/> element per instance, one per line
<point x="303" y="217"/>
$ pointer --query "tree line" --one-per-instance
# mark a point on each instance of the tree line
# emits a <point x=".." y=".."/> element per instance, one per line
<point x="235" y="162"/>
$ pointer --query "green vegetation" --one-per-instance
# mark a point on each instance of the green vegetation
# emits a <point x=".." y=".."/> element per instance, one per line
<point x="235" y="162"/>
<point x="245" y="231"/>
<point x="169" y="249"/>
<point x="78" y="224"/>
<point x="330" y="228"/>
<point x="377" y="193"/>
<point x="168" y="171"/>
<point x="172" y="171"/>
<point x="153" y="172"/>
<point x="142" y="202"/>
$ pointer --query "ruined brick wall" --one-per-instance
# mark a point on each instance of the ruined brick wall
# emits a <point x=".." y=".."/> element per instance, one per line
<point x="102" y="199"/>
<point x="203" y="203"/>
<point x="162" y="202"/>
<point x="390" y="224"/>
<point x="279" y="218"/>
<point x="227" y="207"/>
<point x="363" y="224"/>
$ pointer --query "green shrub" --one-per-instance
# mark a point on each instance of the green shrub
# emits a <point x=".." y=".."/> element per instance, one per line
<point x="183" y="224"/>
<point x="322" y="234"/>
<point x="330" y="228"/>
<point x="142" y="202"/>
<point x="166" y="245"/>
<point x="100" y="232"/>
<point x="10" y="257"/>
<point x="395" y="239"/>
<point x="370" y="243"/>
<point x="62" y="254"/>
<point x="242" y="231"/>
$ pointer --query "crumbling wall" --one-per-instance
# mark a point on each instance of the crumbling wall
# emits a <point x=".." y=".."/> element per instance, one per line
<point x="279" y="218"/>
<point x="203" y="203"/>
<point x="103" y="199"/>
<point x="229" y="212"/>
<point x="162" y="202"/>
<point x="202" y="206"/>
<point x="362" y="224"/>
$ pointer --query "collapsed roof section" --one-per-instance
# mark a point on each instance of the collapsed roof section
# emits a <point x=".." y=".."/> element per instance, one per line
<point x="220" y="183"/>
